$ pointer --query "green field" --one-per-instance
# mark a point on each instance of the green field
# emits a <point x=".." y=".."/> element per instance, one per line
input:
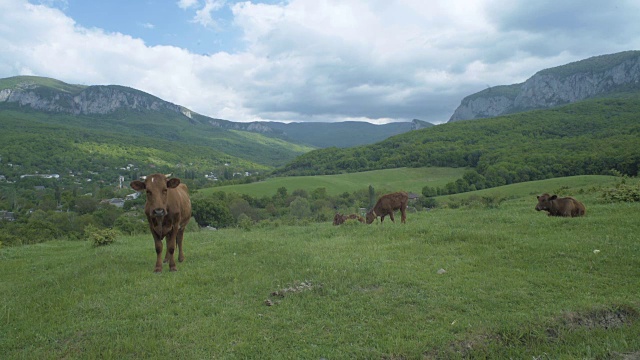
<point x="407" y="179"/>
<point x="516" y="284"/>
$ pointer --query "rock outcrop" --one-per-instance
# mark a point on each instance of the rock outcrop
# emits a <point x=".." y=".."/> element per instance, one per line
<point x="82" y="100"/>
<point x="556" y="86"/>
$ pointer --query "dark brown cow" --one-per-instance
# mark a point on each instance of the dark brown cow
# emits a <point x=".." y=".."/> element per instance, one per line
<point x="168" y="211"/>
<point x="387" y="204"/>
<point x="339" y="219"/>
<point x="566" y="206"/>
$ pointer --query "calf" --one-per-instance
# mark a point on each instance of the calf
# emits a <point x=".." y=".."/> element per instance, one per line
<point x="387" y="204"/>
<point x="168" y="211"/>
<point x="339" y="219"/>
<point x="566" y="206"/>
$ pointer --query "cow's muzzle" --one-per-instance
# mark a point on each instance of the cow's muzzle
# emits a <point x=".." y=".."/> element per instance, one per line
<point x="159" y="212"/>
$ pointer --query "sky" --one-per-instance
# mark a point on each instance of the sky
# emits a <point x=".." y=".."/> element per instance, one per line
<point x="309" y="60"/>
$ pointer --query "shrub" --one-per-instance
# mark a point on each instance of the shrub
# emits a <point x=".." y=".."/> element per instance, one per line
<point x="131" y="225"/>
<point x="100" y="237"/>
<point x="244" y="222"/>
<point x="622" y="193"/>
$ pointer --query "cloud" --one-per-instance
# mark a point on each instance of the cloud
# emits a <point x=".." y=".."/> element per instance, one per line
<point x="186" y="4"/>
<point x="325" y="60"/>
<point x="204" y="16"/>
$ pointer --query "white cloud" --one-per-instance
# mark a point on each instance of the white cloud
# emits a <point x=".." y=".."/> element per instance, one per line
<point x="186" y="4"/>
<point x="323" y="60"/>
<point x="204" y="16"/>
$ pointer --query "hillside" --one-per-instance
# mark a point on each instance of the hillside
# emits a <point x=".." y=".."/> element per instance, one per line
<point x="590" y="137"/>
<point x="123" y="106"/>
<point x="463" y="283"/>
<point x="124" y="118"/>
<point x="60" y="143"/>
<point x="344" y="134"/>
<point x="407" y="179"/>
<point x="598" y="76"/>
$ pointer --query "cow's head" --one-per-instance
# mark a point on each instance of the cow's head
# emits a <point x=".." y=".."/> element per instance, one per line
<point x="371" y="215"/>
<point x="544" y="201"/>
<point x="156" y="187"/>
<point x="337" y="219"/>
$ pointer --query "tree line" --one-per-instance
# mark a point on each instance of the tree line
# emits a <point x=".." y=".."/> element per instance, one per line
<point x="588" y="138"/>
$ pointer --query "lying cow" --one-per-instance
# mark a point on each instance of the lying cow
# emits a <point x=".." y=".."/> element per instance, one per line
<point x="387" y="204"/>
<point x="566" y="206"/>
<point x="168" y="211"/>
<point x="339" y="219"/>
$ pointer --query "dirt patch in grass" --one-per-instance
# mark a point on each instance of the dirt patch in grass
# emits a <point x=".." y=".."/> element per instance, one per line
<point x="292" y="289"/>
<point x="601" y="318"/>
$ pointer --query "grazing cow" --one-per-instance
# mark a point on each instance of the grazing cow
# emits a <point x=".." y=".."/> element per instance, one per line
<point x="387" y="204"/>
<point x="168" y="211"/>
<point x="556" y="206"/>
<point x="339" y="219"/>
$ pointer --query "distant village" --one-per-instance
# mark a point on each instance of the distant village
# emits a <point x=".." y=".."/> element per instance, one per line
<point x="121" y="183"/>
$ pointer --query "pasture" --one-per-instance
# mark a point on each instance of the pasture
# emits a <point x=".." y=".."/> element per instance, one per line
<point x="407" y="179"/>
<point x="473" y="281"/>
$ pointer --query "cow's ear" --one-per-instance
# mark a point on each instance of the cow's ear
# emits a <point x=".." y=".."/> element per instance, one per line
<point x="173" y="183"/>
<point x="553" y="197"/>
<point x="538" y="197"/>
<point x="137" y="185"/>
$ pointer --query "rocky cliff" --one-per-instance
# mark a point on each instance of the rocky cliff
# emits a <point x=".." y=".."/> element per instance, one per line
<point x="556" y="86"/>
<point x="50" y="95"/>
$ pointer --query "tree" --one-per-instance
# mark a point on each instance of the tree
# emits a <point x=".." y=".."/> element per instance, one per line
<point x="300" y="208"/>
<point x="211" y="212"/>
<point x="428" y="191"/>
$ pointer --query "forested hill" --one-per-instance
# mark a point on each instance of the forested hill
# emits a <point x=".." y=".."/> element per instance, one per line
<point x="598" y="76"/>
<point x="590" y="137"/>
<point x="344" y="134"/>
<point x="117" y="103"/>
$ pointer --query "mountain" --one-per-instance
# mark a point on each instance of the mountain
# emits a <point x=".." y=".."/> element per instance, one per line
<point x="54" y="96"/>
<point x="49" y="125"/>
<point x="343" y="134"/>
<point x="593" y="77"/>
<point x="589" y="137"/>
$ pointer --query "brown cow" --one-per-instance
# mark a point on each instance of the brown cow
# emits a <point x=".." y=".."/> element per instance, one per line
<point x="566" y="206"/>
<point x="168" y="211"/>
<point x="387" y="204"/>
<point x="339" y="219"/>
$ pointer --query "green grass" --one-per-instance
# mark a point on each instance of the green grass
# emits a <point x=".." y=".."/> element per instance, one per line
<point x="518" y="284"/>
<point x="408" y="179"/>
<point x="565" y="186"/>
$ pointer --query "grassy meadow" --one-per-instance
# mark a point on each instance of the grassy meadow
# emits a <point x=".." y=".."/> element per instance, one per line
<point x="475" y="281"/>
<point x="408" y="179"/>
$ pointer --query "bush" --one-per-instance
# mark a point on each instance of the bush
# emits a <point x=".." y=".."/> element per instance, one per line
<point x="100" y="237"/>
<point x="244" y="222"/>
<point x="623" y="193"/>
<point x="130" y="224"/>
<point x="211" y="212"/>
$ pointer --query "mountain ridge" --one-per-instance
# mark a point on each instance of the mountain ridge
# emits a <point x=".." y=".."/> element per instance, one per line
<point x="51" y="95"/>
<point x="569" y="83"/>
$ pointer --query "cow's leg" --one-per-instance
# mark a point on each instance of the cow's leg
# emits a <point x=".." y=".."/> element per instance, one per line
<point x="166" y="254"/>
<point x="403" y="211"/>
<point x="158" y="242"/>
<point x="171" y="248"/>
<point x="179" y="241"/>
<point x="391" y="217"/>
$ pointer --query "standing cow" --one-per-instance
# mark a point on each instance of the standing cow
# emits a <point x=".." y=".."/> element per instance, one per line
<point x="168" y="210"/>
<point x="387" y="204"/>
<point x="566" y="206"/>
